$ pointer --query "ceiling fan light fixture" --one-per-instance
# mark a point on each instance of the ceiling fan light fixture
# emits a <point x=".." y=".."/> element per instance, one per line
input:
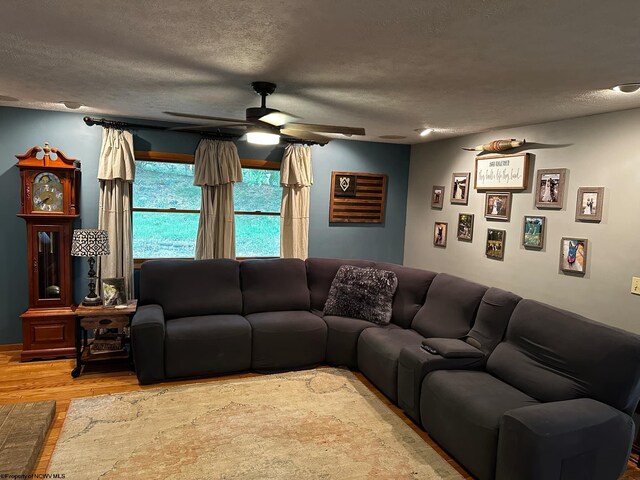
<point x="261" y="136"/>
<point x="626" y="88"/>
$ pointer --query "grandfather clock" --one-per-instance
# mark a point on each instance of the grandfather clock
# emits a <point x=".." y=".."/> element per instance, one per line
<point x="50" y="188"/>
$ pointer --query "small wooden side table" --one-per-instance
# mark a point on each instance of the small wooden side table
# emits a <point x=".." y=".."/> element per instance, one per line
<point x="93" y="318"/>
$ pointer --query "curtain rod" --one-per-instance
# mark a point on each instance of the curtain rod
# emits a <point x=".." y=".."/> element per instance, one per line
<point x="103" y="122"/>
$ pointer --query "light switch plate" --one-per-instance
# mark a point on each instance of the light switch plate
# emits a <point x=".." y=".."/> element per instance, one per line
<point x="635" y="285"/>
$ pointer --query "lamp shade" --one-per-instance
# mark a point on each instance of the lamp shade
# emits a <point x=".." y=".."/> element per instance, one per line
<point x="89" y="243"/>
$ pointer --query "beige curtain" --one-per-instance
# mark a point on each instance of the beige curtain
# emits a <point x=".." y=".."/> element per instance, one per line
<point x="116" y="172"/>
<point x="217" y="167"/>
<point x="296" y="178"/>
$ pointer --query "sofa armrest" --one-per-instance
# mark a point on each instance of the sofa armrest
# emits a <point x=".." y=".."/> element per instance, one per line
<point x="147" y="343"/>
<point x="413" y="365"/>
<point x="451" y="348"/>
<point x="578" y="439"/>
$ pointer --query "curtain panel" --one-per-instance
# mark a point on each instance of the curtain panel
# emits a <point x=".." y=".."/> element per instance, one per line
<point x="296" y="178"/>
<point x="217" y="168"/>
<point x="116" y="172"/>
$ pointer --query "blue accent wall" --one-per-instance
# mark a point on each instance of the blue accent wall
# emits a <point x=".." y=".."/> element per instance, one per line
<point x="381" y="242"/>
<point x="20" y="129"/>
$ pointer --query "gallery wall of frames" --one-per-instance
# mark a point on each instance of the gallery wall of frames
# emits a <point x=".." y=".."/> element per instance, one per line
<point x="498" y="178"/>
<point x="555" y="219"/>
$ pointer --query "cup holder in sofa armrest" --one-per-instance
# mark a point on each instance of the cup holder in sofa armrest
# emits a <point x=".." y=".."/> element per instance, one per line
<point x="450" y="348"/>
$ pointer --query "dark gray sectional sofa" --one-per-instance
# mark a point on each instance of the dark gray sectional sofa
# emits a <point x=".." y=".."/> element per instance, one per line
<point x="515" y="389"/>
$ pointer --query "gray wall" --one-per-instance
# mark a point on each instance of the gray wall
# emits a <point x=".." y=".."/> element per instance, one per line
<point x="20" y="129"/>
<point x="602" y="150"/>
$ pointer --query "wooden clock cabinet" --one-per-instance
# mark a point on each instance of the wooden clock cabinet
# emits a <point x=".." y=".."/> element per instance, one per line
<point x="49" y="206"/>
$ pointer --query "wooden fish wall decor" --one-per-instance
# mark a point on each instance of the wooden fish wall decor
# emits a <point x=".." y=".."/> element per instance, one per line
<point x="497" y="146"/>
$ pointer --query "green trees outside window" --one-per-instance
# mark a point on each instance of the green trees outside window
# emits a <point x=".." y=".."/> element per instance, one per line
<point x="166" y="209"/>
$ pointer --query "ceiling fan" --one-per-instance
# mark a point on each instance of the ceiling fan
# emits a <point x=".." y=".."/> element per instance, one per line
<point x="265" y="125"/>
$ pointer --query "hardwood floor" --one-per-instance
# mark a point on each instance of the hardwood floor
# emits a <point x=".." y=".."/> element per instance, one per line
<point x="51" y="380"/>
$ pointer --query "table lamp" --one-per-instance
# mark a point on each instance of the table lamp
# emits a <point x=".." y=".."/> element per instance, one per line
<point x="89" y="243"/>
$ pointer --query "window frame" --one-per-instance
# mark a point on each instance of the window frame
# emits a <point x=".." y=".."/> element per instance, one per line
<point x="154" y="156"/>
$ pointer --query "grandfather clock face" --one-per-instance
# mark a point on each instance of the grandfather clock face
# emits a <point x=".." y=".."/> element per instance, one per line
<point x="47" y="193"/>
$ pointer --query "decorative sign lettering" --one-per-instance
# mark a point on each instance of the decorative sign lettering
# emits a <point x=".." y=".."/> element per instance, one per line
<point x="502" y="172"/>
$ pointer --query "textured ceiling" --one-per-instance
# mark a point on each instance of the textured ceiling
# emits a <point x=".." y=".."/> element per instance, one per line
<point x="390" y="66"/>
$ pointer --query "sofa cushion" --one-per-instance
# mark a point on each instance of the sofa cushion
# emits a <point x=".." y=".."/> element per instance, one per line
<point x="364" y="293"/>
<point x="272" y="285"/>
<point x="320" y="275"/>
<point x="450" y="307"/>
<point x="206" y="345"/>
<point x="462" y="409"/>
<point x="191" y="287"/>
<point x="378" y="353"/>
<point x="492" y="319"/>
<point x="286" y="340"/>
<point x="553" y="355"/>
<point x="342" y="339"/>
<point x="413" y="284"/>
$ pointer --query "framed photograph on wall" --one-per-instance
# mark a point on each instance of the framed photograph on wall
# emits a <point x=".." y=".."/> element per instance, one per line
<point x="113" y="292"/>
<point x="533" y="231"/>
<point x="589" y="204"/>
<point x="573" y="255"/>
<point x="465" y="227"/>
<point x="440" y="234"/>
<point x="495" y="243"/>
<point x="502" y="172"/>
<point x="437" y="196"/>
<point x="497" y="206"/>
<point x="460" y="187"/>
<point x="550" y="188"/>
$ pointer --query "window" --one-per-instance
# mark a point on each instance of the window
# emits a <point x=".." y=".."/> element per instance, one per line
<point x="166" y="210"/>
<point x="257" y="205"/>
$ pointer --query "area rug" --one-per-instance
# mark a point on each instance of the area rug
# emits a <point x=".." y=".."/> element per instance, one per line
<point x="23" y="429"/>
<point x="315" y="424"/>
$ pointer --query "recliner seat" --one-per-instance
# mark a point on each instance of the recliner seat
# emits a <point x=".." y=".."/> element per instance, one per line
<point x="448" y="311"/>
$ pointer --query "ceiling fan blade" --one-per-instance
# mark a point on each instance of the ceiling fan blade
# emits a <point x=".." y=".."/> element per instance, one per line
<point x="206" y="126"/>
<point x="278" y="118"/>
<point x="305" y="135"/>
<point x="326" y="128"/>
<point x="205" y="117"/>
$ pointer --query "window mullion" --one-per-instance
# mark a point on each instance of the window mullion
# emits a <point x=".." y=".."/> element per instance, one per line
<point x="239" y="212"/>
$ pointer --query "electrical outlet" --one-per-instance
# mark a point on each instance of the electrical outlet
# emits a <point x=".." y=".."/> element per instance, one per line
<point x="635" y="285"/>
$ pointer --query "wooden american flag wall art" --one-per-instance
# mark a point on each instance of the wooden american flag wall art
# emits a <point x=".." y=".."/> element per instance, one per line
<point x="357" y="197"/>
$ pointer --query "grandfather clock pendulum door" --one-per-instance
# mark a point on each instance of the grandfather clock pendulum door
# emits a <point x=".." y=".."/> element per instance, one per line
<point x="49" y="206"/>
